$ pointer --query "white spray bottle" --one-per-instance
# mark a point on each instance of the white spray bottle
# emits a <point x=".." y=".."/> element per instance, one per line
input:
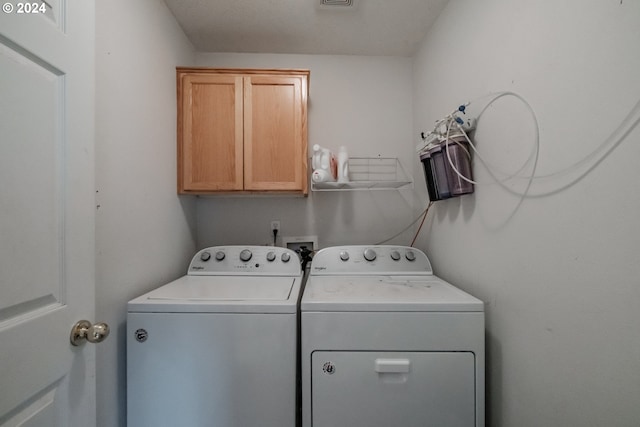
<point x="343" y="164"/>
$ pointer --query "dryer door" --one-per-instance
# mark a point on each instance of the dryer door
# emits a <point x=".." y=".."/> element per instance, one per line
<point x="382" y="389"/>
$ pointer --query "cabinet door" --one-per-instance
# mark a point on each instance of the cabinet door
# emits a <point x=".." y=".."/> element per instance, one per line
<point x="275" y="133"/>
<point x="210" y="133"/>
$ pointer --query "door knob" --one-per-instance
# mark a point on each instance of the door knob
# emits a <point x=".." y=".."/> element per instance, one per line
<point x="84" y="330"/>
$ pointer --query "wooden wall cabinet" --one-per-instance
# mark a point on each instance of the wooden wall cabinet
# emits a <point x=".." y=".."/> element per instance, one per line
<point x="242" y="130"/>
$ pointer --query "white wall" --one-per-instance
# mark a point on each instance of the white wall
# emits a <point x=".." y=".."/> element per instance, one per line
<point x="558" y="269"/>
<point x="145" y="233"/>
<point x="361" y="102"/>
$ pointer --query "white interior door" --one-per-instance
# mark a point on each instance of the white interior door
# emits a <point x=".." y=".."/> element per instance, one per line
<point x="46" y="212"/>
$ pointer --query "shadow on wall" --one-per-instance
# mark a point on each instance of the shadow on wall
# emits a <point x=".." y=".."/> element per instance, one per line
<point x="493" y="384"/>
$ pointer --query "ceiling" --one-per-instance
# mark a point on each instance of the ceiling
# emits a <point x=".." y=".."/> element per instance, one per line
<point x="369" y="27"/>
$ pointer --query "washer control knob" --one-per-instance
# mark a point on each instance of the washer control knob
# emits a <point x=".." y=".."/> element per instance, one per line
<point x="410" y="255"/>
<point x="370" y="254"/>
<point x="285" y="257"/>
<point x="205" y="256"/>
<point x="245" y="255"/>
<point x="344" y="255"/>
<point x="219" y="256"/>
<point x="395" y="255"/>
<point x="271" y="256"/>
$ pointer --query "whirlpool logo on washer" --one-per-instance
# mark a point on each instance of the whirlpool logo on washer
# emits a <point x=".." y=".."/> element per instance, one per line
<point x="141" y="335"/>
<point x="329" y="368"/>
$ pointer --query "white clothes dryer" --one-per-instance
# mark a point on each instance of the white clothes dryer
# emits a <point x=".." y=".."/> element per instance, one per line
<point x="385" y="343"/>
<point x="217" y="347"/>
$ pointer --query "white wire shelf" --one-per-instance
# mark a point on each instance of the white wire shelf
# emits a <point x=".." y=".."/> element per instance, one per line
<point x="369" y="173"/>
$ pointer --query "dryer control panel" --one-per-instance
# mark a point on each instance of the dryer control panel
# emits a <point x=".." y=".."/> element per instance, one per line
<point x="258" y="260"/>
<point x="360" y="259"/>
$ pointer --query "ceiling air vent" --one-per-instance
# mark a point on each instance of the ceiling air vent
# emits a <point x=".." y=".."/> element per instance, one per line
<point x="336" y="4"/>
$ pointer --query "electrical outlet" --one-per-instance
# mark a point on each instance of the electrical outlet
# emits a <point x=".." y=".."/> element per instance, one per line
<point x="469" y="124"/>
<point x="275" y="225"/>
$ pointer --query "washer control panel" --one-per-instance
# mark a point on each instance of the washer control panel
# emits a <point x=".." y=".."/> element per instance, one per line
<point x="360" y="259"/>
<point x="259" y="260"/>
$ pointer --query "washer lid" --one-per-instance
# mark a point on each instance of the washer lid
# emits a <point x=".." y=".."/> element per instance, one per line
<point x="222" y="294"/>
<point x="385" y="293"/>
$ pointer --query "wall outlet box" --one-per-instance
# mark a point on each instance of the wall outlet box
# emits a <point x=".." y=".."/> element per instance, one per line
<point x="296" y="242"/>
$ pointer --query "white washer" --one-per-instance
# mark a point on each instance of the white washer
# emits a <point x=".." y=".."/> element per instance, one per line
<point x="217" y="347"/>
<point x="387" y="343"/>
